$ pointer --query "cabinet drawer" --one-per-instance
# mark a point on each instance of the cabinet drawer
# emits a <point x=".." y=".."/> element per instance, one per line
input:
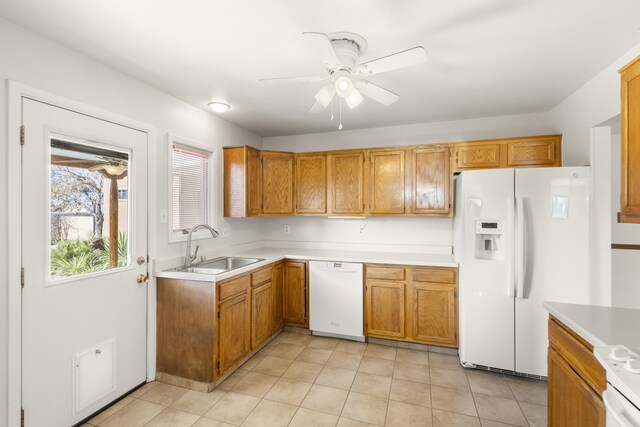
<point x="233" y="287"/>
<point x="261" y="276"/>
<point x="385" y="272"/>
<point x="434" y="275"/>
<point x="578" y="353"/>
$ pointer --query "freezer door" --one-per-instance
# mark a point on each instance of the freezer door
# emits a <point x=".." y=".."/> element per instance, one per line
<point x="486" y="286"/>
<point x="552" y="254"/>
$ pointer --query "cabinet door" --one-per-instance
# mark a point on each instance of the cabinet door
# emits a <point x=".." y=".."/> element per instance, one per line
<point x="346" y="181"/>
<point x="261" y="313"/>
<point x="384" y="309"/>
<point x="431" y="181"/>
<point x="543" y="152"/>
<point x="311" y="184"/>
<point x="253" y="182"/>
<point x="630" y="188"/>
<point x="277" y="183"/>
<point x="278" y="285"/>
<point x="476" y="156"/>
<point x="433" y="313"/>
<point x="386" y="182"/>
<point x="234" y="331"/>
<point x="295" y="293"/>
<point x="572" y="403"/>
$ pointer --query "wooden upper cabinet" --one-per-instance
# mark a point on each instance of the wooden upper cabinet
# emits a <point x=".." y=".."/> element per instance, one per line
<point x="386" y="182"/>
<point x="538" y="152"/>
<point x="311" y="184"/>
<point x="242" y="182"/>
<point x="531" y="151"/>
<point x="295" y="294"/>
<point x="630" y="127"/>
<point x="431" y="181"/>
<point x="347" y="183"/>
<point x="476" y="156"/>
<point x="277" y="183"/>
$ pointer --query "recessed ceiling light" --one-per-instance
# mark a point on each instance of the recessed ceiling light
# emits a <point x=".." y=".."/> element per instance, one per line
<point x="219" y="107"/>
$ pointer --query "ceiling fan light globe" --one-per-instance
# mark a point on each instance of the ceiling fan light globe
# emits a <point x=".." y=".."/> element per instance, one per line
<point x="344" y="86"/>
<point x="353" y="99"/>
<point x="115" y="169"/>
<point x="325" y="95"/>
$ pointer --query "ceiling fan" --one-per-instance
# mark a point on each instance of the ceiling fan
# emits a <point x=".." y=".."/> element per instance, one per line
<point x="340" y="53"/>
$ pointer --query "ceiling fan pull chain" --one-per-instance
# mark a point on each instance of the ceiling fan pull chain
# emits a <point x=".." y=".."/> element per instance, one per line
<point x="332" y="108"/>
<point x="340" y="104"/>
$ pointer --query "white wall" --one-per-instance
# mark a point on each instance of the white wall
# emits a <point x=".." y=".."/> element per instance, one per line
<point x="35" y="61"/>
<point x="594" y="103"/>
<point x="399" y="233"/>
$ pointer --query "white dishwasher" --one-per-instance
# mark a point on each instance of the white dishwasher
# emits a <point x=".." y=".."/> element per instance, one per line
<point x="336" y="299"/>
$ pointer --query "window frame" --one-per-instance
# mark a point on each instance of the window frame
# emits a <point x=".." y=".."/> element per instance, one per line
<point x="178" y="236"/>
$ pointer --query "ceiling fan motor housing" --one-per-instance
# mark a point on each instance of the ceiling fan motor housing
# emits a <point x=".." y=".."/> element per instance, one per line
<point x="348" y="48"/>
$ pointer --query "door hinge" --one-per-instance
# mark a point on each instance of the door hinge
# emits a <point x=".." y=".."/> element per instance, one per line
<point x="22" y="135"/>
<point x="22" y="277"/>
<point x="21" y="417"/>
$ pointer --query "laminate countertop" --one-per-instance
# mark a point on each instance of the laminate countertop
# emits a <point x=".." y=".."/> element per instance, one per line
<point x="271" y="255"/>
<point x="600" y="326"/>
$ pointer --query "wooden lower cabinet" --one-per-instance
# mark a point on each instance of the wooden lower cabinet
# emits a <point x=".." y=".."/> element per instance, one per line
<point x="295" y="289"/>
<point x="576" y="380"/>
<point x="234" y="331"/>
<point x="572" y="403"/>
<point x="434" y="315"/>
<point x="277" y="280"/>
<point x="384" y="308"/>
<point x="261" y="313"/>
<point x="415" y="304"/>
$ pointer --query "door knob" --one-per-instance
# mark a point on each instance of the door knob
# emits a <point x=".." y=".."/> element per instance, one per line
<point x="142" y="278"/>
<point x="140" y="260"/>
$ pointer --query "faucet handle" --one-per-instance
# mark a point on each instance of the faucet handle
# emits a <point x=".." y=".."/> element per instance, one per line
<point x="195" y="254"/>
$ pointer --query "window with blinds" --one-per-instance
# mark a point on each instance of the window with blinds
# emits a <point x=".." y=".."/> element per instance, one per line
<point x="190" y="187"/>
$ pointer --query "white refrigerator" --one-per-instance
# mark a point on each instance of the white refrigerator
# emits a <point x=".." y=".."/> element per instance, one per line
<point x="521" y="237"/>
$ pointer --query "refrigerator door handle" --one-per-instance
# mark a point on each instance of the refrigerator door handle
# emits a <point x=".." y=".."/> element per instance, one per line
<point x="511" y="284"/>
<point x="520" y="247"/>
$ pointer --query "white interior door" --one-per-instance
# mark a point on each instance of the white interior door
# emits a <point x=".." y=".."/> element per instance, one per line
<point x="486" y="285"/>
<point x="84" y="313"/>
<point x="555" y="254"/>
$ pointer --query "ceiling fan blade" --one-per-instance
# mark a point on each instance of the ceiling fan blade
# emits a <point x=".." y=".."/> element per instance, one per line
<point x="301" y="79"/>
<point x="316" y="108"/>
<point x="353" y="99"/>
<point x="321" y="46"/>
<point x="406" y="58"/>
<point x="376" y="92"/>
<point x="326" y="94"/>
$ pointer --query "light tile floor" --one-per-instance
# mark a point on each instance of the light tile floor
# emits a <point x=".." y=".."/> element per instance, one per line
<point x="300" y="380"/>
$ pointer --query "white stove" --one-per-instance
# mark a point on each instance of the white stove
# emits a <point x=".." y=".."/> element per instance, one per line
<point x="622" y="396"/>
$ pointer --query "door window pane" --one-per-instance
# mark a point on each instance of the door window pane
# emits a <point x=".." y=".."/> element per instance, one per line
<point x="89" y="209"/>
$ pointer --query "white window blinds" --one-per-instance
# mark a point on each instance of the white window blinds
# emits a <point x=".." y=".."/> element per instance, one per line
<point x="190" y="185"/>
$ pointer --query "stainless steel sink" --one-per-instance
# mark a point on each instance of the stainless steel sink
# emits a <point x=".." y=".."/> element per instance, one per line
<point x="218" y="265"/>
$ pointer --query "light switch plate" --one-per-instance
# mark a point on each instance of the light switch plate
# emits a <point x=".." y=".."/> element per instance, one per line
<point x="163" y="216"/>
<point x="560" y="207"/>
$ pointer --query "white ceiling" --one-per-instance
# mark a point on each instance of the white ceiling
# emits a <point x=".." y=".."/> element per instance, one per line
<point x="487" y="57"/>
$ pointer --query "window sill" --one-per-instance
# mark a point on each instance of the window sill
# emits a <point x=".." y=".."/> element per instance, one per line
<point x="175" y="237"/>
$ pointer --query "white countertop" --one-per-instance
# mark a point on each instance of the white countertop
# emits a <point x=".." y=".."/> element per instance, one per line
<point x="600" y="326"/>
<point x="271" y="255"/>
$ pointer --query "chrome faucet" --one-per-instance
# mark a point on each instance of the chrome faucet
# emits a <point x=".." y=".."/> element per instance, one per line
<point x="188" y="259"/>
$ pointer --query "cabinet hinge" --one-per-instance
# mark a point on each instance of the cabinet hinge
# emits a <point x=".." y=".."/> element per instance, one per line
<point x="22" y="135"/>
<point x="218" y="365"/>
<point x="218" y="318"/>
<point x="22" y="277"/>
<point x="21" y="417"/>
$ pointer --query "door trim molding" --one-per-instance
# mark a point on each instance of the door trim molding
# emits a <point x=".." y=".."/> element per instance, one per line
<point x="15" y="92"/>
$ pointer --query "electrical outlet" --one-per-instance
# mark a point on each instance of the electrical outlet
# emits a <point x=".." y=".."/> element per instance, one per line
<point x="287" y="229"/>
<point x="226" y="232"/>
<point x="163" y="216"/>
